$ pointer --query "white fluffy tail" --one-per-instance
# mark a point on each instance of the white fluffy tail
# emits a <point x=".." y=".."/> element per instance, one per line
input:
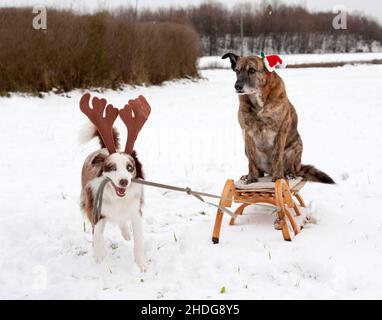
<point x="87" y="132"/>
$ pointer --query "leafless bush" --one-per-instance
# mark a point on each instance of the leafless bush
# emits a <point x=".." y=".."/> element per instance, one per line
<point x="99" y="50"/>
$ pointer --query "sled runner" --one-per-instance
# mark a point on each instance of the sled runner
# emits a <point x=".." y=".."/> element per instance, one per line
<point x="279" y="194"/>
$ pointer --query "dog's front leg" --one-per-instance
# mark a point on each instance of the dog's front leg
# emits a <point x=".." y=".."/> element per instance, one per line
<point x="138" y="241"/>
<point x="278" y="156"/>
<point x="125" y="231"/>
<point x="250" y="152"/>
<point x="247" y="118"/>
<point x="253" y="172"/>
<point x="98" y="241"/>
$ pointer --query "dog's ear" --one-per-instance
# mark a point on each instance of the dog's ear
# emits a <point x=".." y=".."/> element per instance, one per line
<point x="99" y="159"/>
<point x="233" y="58"/>
<point x="138" y="166"/>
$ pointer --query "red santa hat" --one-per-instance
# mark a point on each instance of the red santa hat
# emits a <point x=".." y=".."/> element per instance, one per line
<point x="272" y="61"/>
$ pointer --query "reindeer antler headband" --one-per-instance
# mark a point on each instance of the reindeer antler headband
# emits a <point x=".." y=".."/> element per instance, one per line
<point x="134" y="116"/>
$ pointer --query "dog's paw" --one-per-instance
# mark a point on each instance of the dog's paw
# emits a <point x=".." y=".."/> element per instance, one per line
<point x="291" y="176"/>
<point x="247" y="179"/>
<point x="252" y="180"/>
<point x="141" y="264"/>
<point x="99" y="254"/>
<point x="139" y="259"/>
<point x="244" y="177"/>
<point x="278" y="224"/>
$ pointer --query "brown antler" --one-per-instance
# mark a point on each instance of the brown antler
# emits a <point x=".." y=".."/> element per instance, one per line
<point x="134" y="115"/>
<point x="103" y="124"/>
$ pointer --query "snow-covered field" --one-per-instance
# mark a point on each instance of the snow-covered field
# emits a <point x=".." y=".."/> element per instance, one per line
<point x="193" y="139"/>
<point x="216" y="62"/>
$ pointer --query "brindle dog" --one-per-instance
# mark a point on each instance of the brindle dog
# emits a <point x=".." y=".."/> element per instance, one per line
<point x="269" y="123"/>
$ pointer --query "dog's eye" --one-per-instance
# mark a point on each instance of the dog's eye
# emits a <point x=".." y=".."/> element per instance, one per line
<point x="237" y="71"/>
<point x="252" y="71"/>
<point x="130" y="168"/>
<point x="109" y="167"/>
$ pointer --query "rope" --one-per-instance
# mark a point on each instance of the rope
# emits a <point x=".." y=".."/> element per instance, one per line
<point x="174" y="188"/>
<point x="97" y="207"/>
<point x="196" y="194"/>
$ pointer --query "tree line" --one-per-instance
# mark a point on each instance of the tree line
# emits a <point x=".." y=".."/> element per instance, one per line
<point x="271" y="26"/>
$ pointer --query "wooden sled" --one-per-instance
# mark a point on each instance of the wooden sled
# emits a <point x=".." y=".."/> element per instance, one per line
<point x="278" y="194"/>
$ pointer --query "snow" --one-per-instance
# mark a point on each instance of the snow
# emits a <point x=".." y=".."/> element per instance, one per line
<point x="217" y="62"/>
<point x="193" y="139"/>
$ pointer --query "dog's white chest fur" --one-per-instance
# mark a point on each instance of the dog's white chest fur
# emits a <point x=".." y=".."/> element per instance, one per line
<point x="116" y="209"/>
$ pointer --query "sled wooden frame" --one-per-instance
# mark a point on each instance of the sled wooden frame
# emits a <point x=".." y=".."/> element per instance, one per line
<point x="281" y="197"/>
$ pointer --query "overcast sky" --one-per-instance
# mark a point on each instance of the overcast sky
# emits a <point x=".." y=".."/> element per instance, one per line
<point x="369" y="7"/>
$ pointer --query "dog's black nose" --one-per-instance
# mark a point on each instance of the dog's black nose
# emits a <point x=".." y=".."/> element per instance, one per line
<point x="238" y="86"/>
<point x="123" y="182"/>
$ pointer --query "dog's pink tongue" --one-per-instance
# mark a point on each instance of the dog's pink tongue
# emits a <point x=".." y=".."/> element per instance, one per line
<point x="120" y="192"/>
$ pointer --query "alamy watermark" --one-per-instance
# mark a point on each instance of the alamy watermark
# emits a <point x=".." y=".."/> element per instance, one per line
<point x="40" y="21"/>
<point x="340" y="20"/>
